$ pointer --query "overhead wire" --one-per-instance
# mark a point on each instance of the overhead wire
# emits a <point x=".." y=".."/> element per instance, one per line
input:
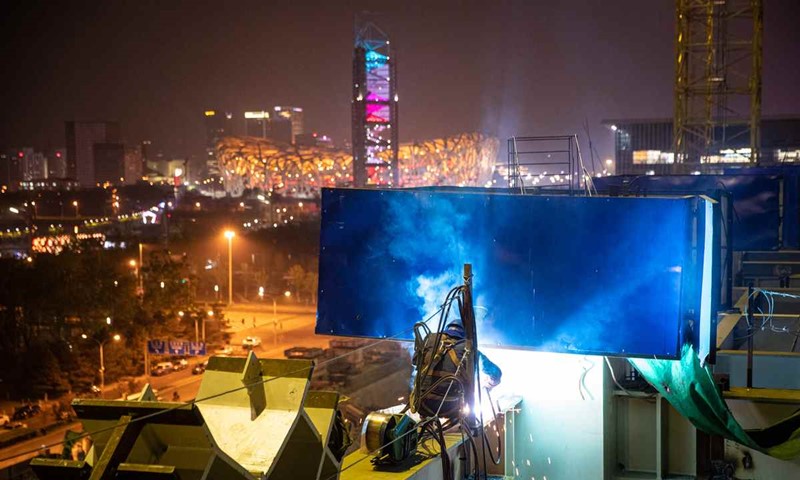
<point x="193" y="402"/>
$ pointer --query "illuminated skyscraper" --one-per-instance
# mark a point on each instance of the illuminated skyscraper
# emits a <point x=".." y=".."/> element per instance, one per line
<point x="374" y="109"/>
<point x="218" y="125"/>
<point x="256" y="124"/>
<point x="294" y="115"/>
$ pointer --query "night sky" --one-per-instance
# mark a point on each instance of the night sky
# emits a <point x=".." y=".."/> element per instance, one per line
<point x="505" y="68"/>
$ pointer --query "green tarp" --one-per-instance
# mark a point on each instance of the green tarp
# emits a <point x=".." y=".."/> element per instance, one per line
<point x="691" y="390"/>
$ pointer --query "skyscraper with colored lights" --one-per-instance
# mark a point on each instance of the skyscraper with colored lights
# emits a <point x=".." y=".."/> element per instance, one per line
<point x="374" y="102"/>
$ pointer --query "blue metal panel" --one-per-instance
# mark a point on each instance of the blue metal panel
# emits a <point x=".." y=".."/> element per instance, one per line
<point x="756" y="222"/>
<point x="614" y="276"/>
<point x="791" y="198"/>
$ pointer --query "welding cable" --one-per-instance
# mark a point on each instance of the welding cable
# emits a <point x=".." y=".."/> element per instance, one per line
<point x="476" y="375"/>
<point x="444" y="314"/>
<point x="422" y="373"/>
<point x="220" y="394"/>
<point x="446" y="472"/>
<point x="486" y="438"/>
<point x="648" y="398"/>
<point x="582" y="380"/>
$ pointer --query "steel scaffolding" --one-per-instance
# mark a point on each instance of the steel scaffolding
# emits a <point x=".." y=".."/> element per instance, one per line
<point x="717" y="79"/>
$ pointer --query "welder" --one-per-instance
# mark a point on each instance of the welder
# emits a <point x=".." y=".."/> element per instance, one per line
<point x="441" y="373"/>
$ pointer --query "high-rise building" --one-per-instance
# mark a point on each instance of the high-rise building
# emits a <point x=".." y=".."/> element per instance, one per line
<point x="375" y="140"/>
<point x="35" y="165"/>
<point x="218" y="125"/>
<point x="11" y="163"/>
<point x="256" y="124"/>
<point x="81" y="138"/>
<point x="57" y="163"/>
<point x="280" y="129"/>
<point x="109" y="163"/>
<point x="295" y="117"/>
<point x="314" y="140"/>
<point x="134" y="166"/>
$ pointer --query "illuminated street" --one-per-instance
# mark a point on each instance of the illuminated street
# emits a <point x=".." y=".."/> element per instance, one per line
<point x="545" y="240"/>
<point x="298" y="330"/>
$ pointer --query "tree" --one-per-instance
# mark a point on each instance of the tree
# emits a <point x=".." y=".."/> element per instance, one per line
<point x="297" y="277"/>
<point x="310" y="281"/>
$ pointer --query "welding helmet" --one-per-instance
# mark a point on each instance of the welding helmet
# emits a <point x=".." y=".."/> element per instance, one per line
<point x="455" y="329"/>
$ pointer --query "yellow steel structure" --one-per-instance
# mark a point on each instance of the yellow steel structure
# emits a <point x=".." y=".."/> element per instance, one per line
<point x="718" y="58"/>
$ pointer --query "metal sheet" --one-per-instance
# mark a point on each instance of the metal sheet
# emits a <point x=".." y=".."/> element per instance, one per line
<point x="612" y="276"/>
<point x="791" y="198"/>
<point x="756" y="219"/>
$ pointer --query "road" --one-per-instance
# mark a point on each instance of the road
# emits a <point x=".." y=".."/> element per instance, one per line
<point x="21" y="451"/>
<point x="293" y="326"/>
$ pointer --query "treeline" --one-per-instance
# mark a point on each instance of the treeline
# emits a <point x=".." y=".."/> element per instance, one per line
<point x="56" y="310"/>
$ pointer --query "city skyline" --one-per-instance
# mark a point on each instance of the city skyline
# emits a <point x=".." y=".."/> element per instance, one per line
<point x="504" y="69"/>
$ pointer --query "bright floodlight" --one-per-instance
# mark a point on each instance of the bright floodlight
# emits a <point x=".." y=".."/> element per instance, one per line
<point x="287" y="293"/>
<point x="116" y="337"/>
<point x="229" y="234"/>
<point x="84" y="336"/>
<point x="210" y="313"/>
<point x="132" y="263"/>
<point x="13" y="210"/>
<point x="180" y="313"/>
<point x="74" y="203"/>
<point x="108" y="320"/>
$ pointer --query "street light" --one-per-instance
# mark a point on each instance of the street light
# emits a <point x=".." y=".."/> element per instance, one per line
<point x="210" y="314"/>
<point x="77" y="210"/>
<point x="274" y="298"/>
<point x="116" y="337"/>
<point x="229" y="234"/>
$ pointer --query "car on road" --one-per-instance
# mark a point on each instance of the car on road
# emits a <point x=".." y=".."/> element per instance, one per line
<point x="180" y="364"/>
<point x="162" y="368"/>
<point x="251" y="342"/>
<point x="26" y="411"/>
<point x="226" y="350"/>
<point x="200" y="368"/>
<point x="15" y="425"/>
<point x="308" y="353"/>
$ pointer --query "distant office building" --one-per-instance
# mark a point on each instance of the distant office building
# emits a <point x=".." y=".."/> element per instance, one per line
<point x="218" y="124"/>
<point x="647" y="147"/>
<point x="57" y="163"/>
<point x="81" y="138"/>
<point x="314" y="140"/>
<point x="11" y="167"/>
<point x="280" y="130"/>
<point x="282" y="125"/>
<point x="21" y="164"/>
<point x="34" y="165"/>
<point x="256" y="124"/>
<point x="146" y="148"/>
<point x="109" y="163"/>
<point x="295" y="117"/>
<point x="133" y="165"/>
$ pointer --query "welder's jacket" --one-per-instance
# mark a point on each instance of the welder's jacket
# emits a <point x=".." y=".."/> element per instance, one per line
<point x="439" y="379"/>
